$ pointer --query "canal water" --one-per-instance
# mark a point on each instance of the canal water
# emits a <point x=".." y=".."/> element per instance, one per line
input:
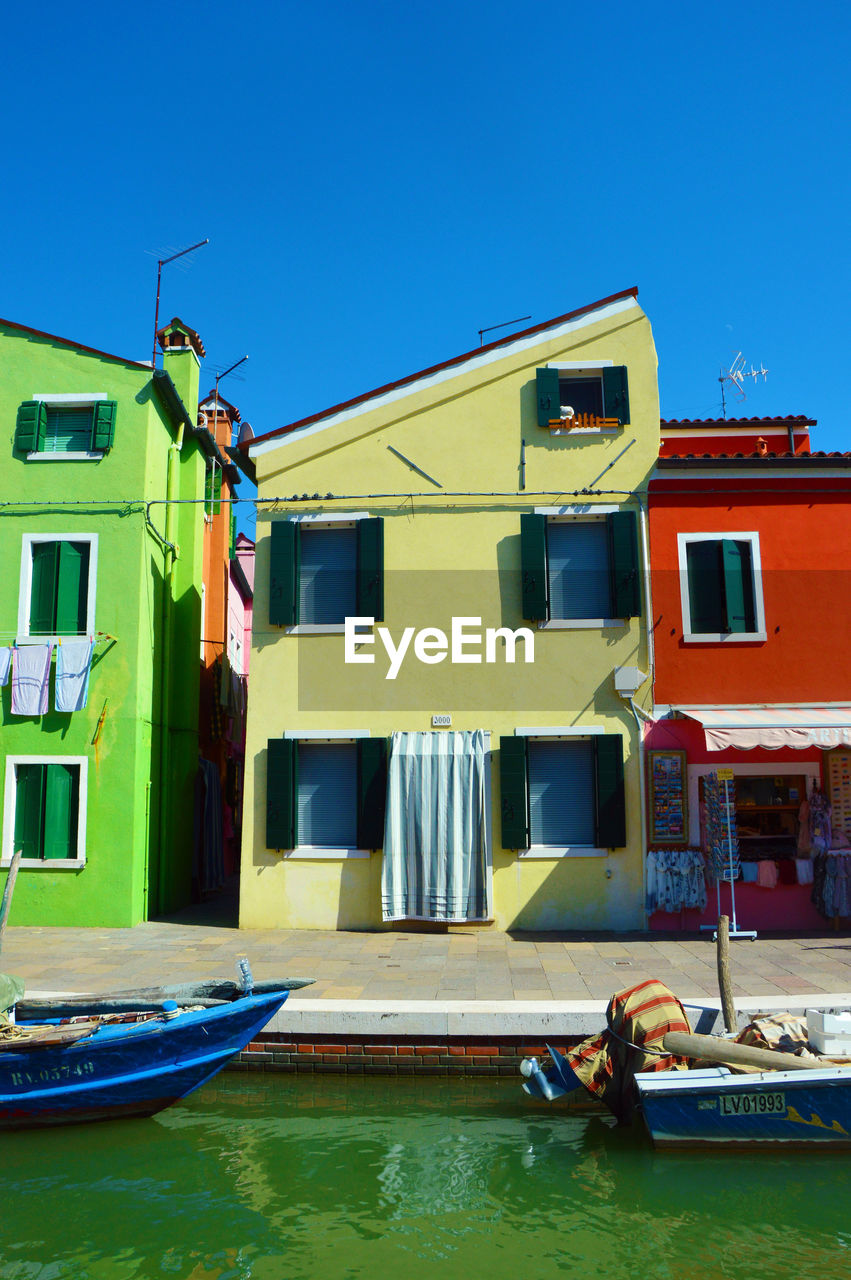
<point x="283" y="1177"/>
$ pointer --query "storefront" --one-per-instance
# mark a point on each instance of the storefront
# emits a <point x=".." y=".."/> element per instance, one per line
<point x="787" y="825"/>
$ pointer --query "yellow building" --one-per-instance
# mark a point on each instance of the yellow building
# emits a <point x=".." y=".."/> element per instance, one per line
<point x="450" y="640"/>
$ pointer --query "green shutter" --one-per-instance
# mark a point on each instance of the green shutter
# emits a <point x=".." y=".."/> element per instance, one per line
<point x="738" y="586"/>
<point x="370" y="581"/>
<point x="546" y="386"/>
<point x="30" y="428"/>
<point x="372" y="792"/>
<point x="45" y="573"/>
<point x="281" y="793"/>
<point x="707" y="613"/>
<point x="103" y="425"/>
<point x="72" y="588"/>
<point x="624" y="564"/>
<point x="616" y="394"/>
<point x="533" y="565"/>
<point x="213" y="489"/>
<point x="283" y="574"/>
<point x="610" y="808"/>
<point x="29" y="809"/>
<point x="514" y="790"/>
<point x="61" y="811"/>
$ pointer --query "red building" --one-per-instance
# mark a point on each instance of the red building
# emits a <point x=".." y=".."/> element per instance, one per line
<point x="750" y="549"/>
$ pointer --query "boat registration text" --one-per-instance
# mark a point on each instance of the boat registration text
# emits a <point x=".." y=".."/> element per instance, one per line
<point x="749" y="1104"/>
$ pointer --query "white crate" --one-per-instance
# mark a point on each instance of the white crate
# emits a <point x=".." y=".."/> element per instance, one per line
<point x="829" y="1032"/>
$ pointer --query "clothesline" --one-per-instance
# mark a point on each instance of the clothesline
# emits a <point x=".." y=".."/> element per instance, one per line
<point x="96" y="637"/>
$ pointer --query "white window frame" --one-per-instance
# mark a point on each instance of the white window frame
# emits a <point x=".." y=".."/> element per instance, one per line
<point x="581" y="368"/>
<point x="29" y="540"/>
<point x="555" y="733"/>
<point x="325" y="520"/>
<point x="69" y="400"/>
<point x="574" y="513"/>
<point x="9" y="802"/>
<point x="317" y="852"/>
<point x="735" y="637"/>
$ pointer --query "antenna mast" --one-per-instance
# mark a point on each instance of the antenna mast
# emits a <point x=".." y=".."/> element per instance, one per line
<point x="161" y="262"/>
<point x="736" y="375"/>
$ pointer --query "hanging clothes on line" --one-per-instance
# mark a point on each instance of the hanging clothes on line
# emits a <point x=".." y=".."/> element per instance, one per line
<point x="30" y="679"/>
<point x="73" y="663"/>
<point x="5" y="663"/>
<point x="675" y="880"/>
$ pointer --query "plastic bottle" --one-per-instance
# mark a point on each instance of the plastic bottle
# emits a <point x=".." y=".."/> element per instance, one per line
<point x="246" y="978"/>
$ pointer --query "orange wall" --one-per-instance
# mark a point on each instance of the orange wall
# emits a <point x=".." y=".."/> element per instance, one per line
<point x="805" y="550"/>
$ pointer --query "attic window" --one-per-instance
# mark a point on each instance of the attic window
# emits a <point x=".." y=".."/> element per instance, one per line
<point x="582" y="399"/>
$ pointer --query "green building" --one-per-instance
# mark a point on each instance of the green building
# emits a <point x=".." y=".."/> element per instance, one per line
<point x="101" y="528"/>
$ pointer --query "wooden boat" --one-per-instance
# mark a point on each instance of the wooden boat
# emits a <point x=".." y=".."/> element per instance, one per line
<point x="132" y="1054"/>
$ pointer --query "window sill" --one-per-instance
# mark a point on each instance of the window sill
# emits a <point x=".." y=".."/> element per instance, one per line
<point x="732" y="637"/>
<point x="581" y="624"/>
<point x="316" y="629"/>
<point x="65" y="457"/>
<point x="553" y="851"/>
<point x="311" y="852"/>
<point x="47" y="864"/>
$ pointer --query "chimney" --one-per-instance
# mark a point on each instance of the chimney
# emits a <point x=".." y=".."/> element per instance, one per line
<point x="183" y="352"/>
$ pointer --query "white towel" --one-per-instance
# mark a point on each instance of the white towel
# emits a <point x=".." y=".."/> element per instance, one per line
<point x="5" y="664"/>
<point x="73" y="662"/>
<point x="30" y="679"/>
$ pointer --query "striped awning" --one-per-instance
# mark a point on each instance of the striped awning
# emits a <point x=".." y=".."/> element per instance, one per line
<point x="772" y="727"/>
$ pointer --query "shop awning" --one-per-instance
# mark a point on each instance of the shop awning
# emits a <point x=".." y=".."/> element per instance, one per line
<point x="772" y="727"/>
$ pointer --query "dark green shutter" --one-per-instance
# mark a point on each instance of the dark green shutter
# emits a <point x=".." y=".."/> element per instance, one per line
<point x="61" y="810"/>
<point x="616" y="394"/>
<point x="372" y="792"/>
<point x="45" y="573"/>
<point x="624" y="564"/>
<point x="31" y="425"/>
<point x="546" y="387"/>
<point x="72" y="588"/>
<point x="514" y="791"/>
<point x="738" y="586"/>
<point x="370" y="582"/>
<point x="707" y="613"/>
<point x="29" y="809"/>
<point x="213" y="489"/>
<point x="610" y="808"/>
<point x="281" y="793"/>
<point x="283" y="574"/>
<point x="103" y="425"/>
<point x="533" y="565"/>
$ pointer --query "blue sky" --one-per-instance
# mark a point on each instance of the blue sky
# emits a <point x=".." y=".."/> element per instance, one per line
<point x="380" y="181"/>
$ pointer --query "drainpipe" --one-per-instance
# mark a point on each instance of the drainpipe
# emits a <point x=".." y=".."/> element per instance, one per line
<point x="651" y="666"/>
<point x="169" y="557"/>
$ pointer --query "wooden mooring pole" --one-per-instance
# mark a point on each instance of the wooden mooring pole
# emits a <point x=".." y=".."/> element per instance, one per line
<point x="8" y="890"/>
<point x="725" y="987"/>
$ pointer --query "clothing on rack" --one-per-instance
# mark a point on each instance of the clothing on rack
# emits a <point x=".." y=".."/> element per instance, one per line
<point x="766" y="875"/>
<point x="73" y="663"/>
<point x="831" y="894"/>
<point x="5" y="663"/>
<point x="804" y="869"/>
<point x="30" y="679"/>
<point x="804" y="829"/>
<point x="750" y="872"/>
<point x="675" y="880"/>
<point x="821" y="836"/>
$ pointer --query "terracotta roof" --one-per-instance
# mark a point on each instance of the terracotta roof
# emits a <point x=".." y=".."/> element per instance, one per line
<point x="762" y="459"/>
<point x="787" y="420"/>
<point x="229" y="408"/>
<point x="78" y="346"/>
<point x="194" y="338"/>
<point x="437" y="368"/>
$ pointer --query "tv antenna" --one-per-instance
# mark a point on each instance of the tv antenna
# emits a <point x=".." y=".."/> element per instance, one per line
<point x="505" y="324"/>
<point x="736" y="375"/>
<point x="161" y="262"/>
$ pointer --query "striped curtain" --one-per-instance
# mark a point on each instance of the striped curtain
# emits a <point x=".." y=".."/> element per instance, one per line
<point x="435" y="837"/>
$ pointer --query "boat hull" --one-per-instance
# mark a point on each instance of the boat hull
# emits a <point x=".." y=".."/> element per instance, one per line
<point x="716" y="1107"/>
<point x="134" y="1069"/>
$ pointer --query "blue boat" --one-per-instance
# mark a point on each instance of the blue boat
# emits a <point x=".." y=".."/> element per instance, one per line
<point x="112" y="1064"/>
<point x="716" y="1107"/>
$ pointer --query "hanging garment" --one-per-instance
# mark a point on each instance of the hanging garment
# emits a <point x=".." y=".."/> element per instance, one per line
<point x="750" y="872"/>
<point x="804" y="829"/>
<point x="804" y="870"/>
<point x="5" y="664"/>
<point x="30" y="679"/>
<point x="786" y="873"/>
<point x="842" y="884"/>
<point x="73" y="663"/>
<point x="675" y="880"/>
<point x="435" y="839"/>
<point x="766" y="876"/>
<point x="820" y="828"/>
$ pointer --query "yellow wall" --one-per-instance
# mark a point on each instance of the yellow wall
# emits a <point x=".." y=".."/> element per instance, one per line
<point x="454" y="555"/>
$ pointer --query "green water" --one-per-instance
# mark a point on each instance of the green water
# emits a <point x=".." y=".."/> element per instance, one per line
<point x="279" y="1177"/>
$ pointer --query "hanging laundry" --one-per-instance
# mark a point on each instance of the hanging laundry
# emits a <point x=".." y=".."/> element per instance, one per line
<point x="30" y="679"/>
<point x="750" y="872"/>
<point x="5" y="664"/>
<point x="73" y="663"/>
<point x="766" y="876"/>
<point x="804" y="869"/>
<point x="675" y="880"/>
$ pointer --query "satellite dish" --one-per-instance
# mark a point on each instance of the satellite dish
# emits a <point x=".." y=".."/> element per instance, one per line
<point x="246" y="433"/>
<point x="202" y="418"/>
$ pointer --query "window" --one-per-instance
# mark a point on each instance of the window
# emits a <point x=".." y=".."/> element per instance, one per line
<point x="720" y="587"/>
<point x="323" y="571"/>
<point x="562" y="795"/>
<point x="580" y="569"/>
<point x="45" y="809"/>
<point x="212" y="489"/>
<point x="326" y="798"/>
<point x="66" y="426"/>
<point x="57" y="585"/>
<point x="592" y="399"/>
